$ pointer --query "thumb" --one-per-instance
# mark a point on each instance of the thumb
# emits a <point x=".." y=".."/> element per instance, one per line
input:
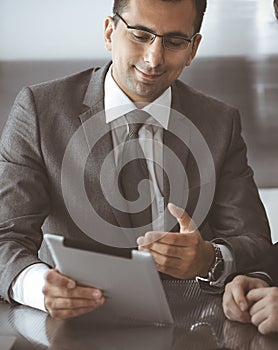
<point x="187" y="225"/>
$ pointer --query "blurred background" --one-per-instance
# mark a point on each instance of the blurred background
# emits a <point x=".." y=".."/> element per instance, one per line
<point x="237" y="62"/>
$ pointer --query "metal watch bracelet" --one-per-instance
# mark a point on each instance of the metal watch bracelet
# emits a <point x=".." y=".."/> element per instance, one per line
<point x="216" y="269"/>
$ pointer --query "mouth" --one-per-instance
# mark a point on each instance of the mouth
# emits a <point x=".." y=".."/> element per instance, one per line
<point x="147" y="76"/>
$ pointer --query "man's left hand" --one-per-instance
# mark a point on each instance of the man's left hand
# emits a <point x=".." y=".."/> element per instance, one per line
<point x="181" y="254"/>
<point x="264" y="309"/>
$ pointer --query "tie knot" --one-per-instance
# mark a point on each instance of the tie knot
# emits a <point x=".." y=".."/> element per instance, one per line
<point x="134" y="130"/>
<point x="135" y="121"/>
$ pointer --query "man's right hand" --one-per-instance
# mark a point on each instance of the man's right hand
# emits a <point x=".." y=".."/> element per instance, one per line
<point x="65" y="299"/>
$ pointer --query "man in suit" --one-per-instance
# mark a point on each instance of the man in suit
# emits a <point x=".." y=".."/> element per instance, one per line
<point x="56" y="143"/>
<point x="254" y="297"/>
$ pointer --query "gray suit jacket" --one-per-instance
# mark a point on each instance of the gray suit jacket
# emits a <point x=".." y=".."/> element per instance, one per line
<point x="268" y="265"/>
<point x="65" y="116"/>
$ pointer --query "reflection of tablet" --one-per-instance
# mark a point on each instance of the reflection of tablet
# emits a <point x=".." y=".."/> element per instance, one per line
<point x="128" y="278"/>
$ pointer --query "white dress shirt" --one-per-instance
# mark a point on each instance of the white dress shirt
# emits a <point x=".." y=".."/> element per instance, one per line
<point x="152" y="130"/>
<point x="27" y="287"/>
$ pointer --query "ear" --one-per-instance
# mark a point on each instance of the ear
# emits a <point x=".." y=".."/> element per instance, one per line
<point x="109" y="27"/>
<point x="194" y="49"/>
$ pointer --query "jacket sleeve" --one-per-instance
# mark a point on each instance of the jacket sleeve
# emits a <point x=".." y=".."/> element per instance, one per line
<point x="238" y="218"/>
<point x="269" y="264"/>
<point x="266" y="265"/>
<point x="23" y="191"/>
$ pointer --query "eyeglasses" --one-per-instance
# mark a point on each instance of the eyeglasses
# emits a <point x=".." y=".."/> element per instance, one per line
<point x="169" y="41"/>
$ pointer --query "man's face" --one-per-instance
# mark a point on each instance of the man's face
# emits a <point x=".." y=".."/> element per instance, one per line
<point x="145" y="71"/>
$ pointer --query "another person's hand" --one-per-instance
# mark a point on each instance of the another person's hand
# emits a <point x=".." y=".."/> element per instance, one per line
<point x="235" y="302"/>
<point x="264" y="309"/>
<point x="65" y="299"/>
<point x="181" y="254"/>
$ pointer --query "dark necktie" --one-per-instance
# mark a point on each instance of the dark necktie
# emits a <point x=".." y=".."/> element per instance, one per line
<point x="134" y="170"/>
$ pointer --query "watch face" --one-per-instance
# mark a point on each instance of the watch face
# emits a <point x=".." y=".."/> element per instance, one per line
<point x="218" y="270"/>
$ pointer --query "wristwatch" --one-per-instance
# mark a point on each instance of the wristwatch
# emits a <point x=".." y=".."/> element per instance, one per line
<point x="216" y="269"/>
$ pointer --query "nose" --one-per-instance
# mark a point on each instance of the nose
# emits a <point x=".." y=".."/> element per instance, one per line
<point x="154" y="53"/>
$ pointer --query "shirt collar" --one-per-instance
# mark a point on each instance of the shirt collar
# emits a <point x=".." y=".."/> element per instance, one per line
<point x="116" y="103"/>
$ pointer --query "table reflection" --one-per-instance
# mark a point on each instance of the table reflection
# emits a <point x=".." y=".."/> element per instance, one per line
<point x="88" y="332"/>
<point x="246" y="337"/>
<point x="199" y="324"/>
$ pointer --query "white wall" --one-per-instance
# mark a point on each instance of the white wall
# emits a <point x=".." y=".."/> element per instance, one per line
<point x="52" y="29"/>
<point x="70" y="29"/>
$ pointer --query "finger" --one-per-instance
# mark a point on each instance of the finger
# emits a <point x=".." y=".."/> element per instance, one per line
<point x="54" y="277"/>
<point x="58" y="285"/>
<point x="230" y="307"/>
<point x="171" y="238"/>
<point x="232" y="310"/>
<point x="239" y="287"/>
<point x="176" y="211"/>
<point x="258" y="317"/>
<point x="168" y="250"/>
<point x="143" y="249"/>
<point x="187" y="225"/>
<point x="141" y="241"/>
<point x="268" y="326"/>
<point x="78" y="292"/>
<point x="257" y="294"/>
<point x="149" y="238"/>
<point x="265" y="300"/>
<point x="257" y="307"/>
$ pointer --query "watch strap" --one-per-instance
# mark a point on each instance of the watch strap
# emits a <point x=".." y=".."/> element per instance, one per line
<point x="216" y="269"/>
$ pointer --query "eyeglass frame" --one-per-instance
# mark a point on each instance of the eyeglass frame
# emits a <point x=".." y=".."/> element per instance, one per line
<point x="155" y="35"/>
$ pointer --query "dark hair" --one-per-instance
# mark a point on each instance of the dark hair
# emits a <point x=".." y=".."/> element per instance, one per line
<point x="201" y="5"/>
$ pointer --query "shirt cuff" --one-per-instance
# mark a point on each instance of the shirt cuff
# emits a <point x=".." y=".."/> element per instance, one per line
<point x="261" y="275"/>
<point x="27" y="288"/>
<point x="229" y="265"/>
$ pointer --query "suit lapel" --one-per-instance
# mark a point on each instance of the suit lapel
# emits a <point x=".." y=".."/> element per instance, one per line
<point x="92" y="118"/>
<point x="177" y="139"/>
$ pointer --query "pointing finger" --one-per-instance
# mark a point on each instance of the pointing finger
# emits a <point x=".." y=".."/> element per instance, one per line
<point x="187" y="225"/>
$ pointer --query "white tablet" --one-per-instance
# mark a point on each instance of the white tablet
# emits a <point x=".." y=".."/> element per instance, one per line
<point x="128" y="278"/>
